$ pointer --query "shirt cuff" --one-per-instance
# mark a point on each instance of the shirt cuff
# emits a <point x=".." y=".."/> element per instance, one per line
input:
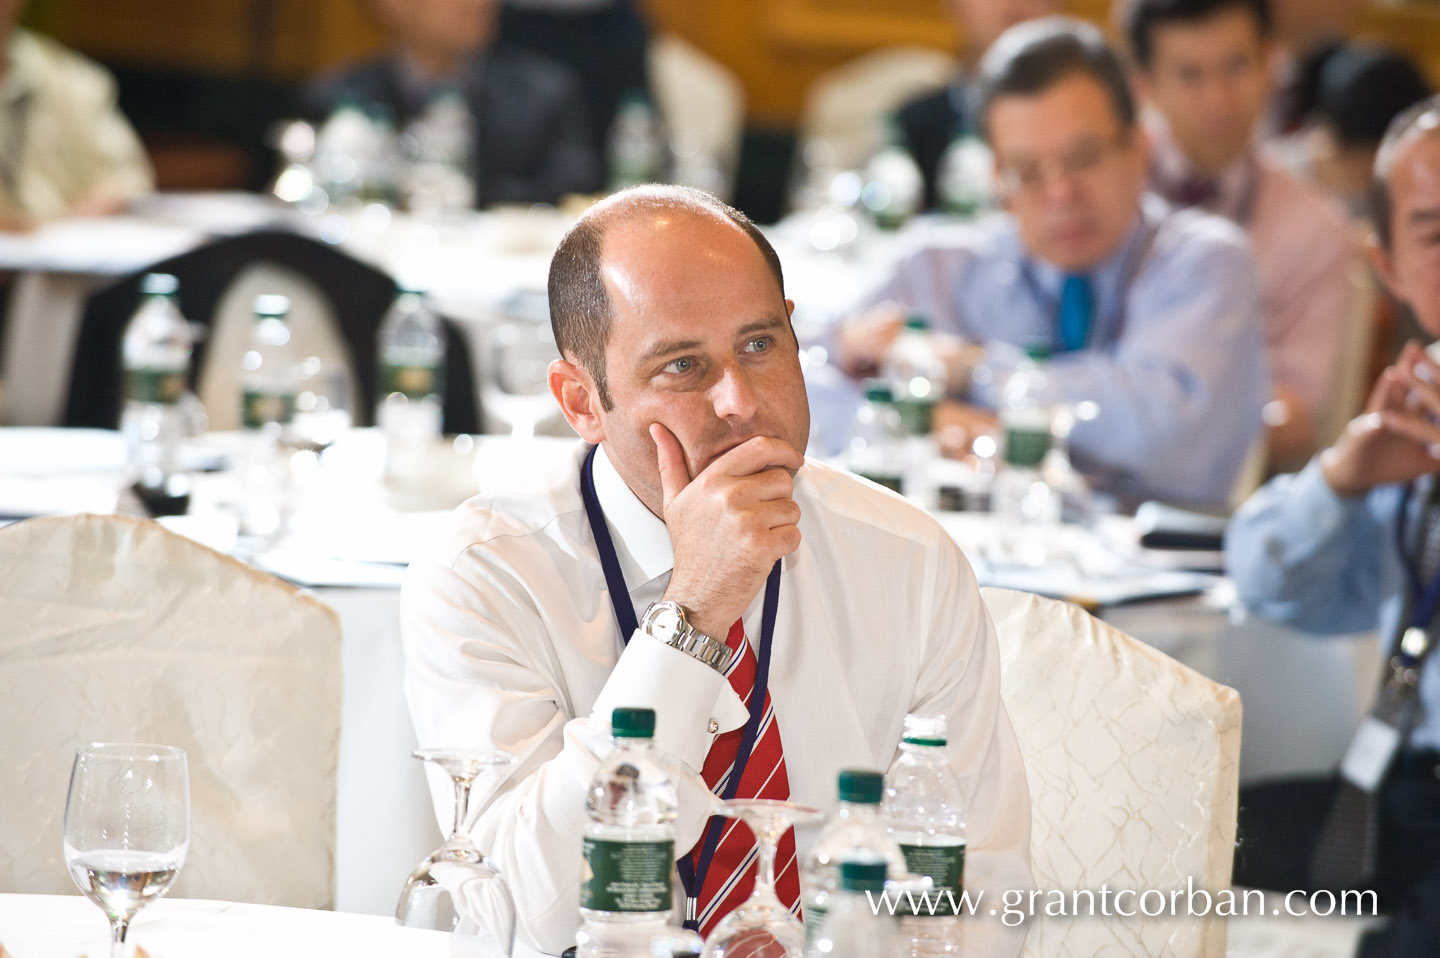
<point x="1319" y="509"/>
<point x="684" y="692"/>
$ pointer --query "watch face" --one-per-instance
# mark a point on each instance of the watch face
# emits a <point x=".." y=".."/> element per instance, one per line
<point x="664" y="620"/>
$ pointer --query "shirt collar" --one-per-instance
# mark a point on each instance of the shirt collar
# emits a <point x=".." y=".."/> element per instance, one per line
<point x="1170" y="168"/>
<point x="1105" y="276"/>
<point x="641" y="540"/>
<point x="22" y="55"/>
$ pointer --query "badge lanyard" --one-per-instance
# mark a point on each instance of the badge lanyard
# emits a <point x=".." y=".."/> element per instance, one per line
<point x="1414" y="641"/>
<point x="693" y="875"/>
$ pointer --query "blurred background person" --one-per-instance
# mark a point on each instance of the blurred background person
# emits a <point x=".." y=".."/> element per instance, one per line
<point x="603" y="41"/>
<point x="1350" y="544"/>
<point x="930" y="122"/>
<point x="1152" y="314"/>
<point x="1304" y="31"/>
<point x="530" y="138"/>
<point x="65" y="148"/>
<point x="1359" y="89"/>
<point x="1202" y="69"/>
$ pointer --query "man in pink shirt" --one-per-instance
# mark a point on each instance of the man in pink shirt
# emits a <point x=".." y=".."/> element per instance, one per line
<point x="1202" y="68"/>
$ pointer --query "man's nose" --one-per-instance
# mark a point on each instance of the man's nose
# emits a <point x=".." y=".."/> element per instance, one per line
<point x="734" y="394"/>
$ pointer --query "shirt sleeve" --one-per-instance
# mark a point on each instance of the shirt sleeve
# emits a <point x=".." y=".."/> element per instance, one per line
<point x="1180" y="394"/>
<point x="106" y="147"/>
<point x="961" y="680"/>
<point x="1301" y="554"/>
<point x="481" y="672"/>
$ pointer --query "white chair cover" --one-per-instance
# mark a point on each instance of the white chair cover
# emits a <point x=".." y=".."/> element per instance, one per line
<point x="703" y="103"/>
<point x="845" y="107"/>
<point x="1133" y="766"/>
<point x="114" y="629"/>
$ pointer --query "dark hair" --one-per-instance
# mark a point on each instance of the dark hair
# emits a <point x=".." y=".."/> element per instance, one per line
<point x="1030" y="58"/>
<point x="1362" y="88"/>
<point x="1419" y="120"/>
<point x="580" y="311"/>
<point x="1145" y="15"/>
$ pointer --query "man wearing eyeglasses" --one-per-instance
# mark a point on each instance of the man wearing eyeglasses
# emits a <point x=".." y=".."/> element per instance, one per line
<point x="1153" y="314"/>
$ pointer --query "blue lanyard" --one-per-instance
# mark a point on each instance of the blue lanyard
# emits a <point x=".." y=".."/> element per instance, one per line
<point x="1424" y="598"/>
<point x="692" y="874"/>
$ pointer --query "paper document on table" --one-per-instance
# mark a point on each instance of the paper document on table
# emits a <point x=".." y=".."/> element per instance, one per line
<point x="1092" y="592"/>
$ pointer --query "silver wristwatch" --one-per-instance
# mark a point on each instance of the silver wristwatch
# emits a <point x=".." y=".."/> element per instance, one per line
<point x="667" y="621"/>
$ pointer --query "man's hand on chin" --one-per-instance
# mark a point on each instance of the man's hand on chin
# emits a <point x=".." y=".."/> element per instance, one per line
<point x="728" y="524"/>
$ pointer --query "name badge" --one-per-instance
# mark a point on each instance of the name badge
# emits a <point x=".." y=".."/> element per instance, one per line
<point x="1371" y="751"/>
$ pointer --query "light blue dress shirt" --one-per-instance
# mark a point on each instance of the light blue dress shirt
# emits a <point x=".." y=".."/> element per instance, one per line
<point x="1176" y="361"/>
<point x="1301" y="554"/>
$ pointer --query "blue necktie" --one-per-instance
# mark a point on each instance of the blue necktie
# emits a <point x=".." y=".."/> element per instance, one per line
<point x="1077" y="312"/>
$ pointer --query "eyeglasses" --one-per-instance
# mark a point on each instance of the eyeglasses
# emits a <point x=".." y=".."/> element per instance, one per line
<point x="1082" y="160"/>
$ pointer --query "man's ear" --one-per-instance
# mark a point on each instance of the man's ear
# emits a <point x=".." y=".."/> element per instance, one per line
<point x="579" y="399"/>
<point x="1381" y="262"/>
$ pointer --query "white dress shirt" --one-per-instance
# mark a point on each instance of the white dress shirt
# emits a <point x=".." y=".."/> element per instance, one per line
<point x="511" y="643"/>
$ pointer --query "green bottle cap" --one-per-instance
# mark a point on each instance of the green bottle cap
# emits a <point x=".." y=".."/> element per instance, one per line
<point x="929" y="731"/>
<point x="159" y="284"/>
<point x="879" y="392"/>
<point x="632" y="723"/>
<point x="860" y="786"/>
<point x="916" y="321"/>
<point x="272" y="306"/>
<point x="862" y="875"/>
<point x="1038" y="352"/>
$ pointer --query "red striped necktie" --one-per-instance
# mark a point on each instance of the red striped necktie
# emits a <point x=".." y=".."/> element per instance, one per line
<point x="731" y="876"/>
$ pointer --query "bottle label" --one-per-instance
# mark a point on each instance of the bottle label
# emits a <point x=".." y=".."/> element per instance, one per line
<point x="163" y="387"/>
<point x="259" y="408"/>
<point x="888" y="480"/>
<point x="945" y="866"/>
<point x="916" y="415"/>
<point x="411" y="381"/>
<point x="626" y="876"/>
<point x="814" y="918"/>
<point x="1026" y="447"/>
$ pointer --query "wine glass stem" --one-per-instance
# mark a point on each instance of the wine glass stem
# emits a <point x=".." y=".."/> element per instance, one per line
<point x="118" y="928"/>
<point x="462" y="805"/>
<point x="765" y="866"/>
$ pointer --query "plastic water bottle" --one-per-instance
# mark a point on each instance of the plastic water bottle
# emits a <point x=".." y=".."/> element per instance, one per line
<point x="156" y="357"/>
<point x="1027" y="419"/>
<point x="411" y="348"/>
<point x="876" y="446"/>
<point x="626" y="883"/>
<point x="855" y="830"/>
<point x="894" y="187"/>
<point x="966" y="177"/>
<point x="637" y="150"/>
<point x="858" y="925"/>
<point x="268" y="373"/>
<point x="441" y="141"/>
<point x="916" y="375"/>
<point x="924" y="810"/>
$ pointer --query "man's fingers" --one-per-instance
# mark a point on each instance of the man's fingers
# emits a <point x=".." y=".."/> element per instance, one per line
<point x="757" y="454"/>
<point x="1415" y="428"/>
<point x="674" y="474"/>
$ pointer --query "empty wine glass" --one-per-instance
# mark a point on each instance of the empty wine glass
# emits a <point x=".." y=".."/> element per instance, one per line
<point x="127" y="827"/>
<point x="762" y="927"/>
<point x="516" y="389"/>
<point x="456" y="889"/>
<point x="323" y="402"/>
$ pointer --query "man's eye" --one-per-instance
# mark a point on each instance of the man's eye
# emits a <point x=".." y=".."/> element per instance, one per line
<point x="758" y="345"/>
<point x="681" y="365"/>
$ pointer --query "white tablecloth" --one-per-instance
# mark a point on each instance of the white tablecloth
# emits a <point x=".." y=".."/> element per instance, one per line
<point x="61" y="926"/>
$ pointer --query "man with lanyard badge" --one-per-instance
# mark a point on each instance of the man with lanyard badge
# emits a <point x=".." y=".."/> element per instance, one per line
<point x="1353" y="541"/>
<point x="689" y="530"/>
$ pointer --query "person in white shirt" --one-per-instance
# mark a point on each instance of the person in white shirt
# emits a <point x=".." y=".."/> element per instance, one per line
<point x="681" y="368"/>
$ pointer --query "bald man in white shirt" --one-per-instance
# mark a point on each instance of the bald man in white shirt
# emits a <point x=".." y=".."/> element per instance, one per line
<point x="681" y="373"/>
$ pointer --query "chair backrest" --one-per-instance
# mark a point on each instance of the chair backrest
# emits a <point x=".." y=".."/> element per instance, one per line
<point x="703" y="103"/>
<point x="844" y="107"/>
<point x="1133" y="766"/>
<point x="115" y="629"/>
<point x="342" y="298"/>
<point x="1352" y="376"/>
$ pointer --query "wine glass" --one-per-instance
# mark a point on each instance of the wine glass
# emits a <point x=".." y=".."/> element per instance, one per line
<point x="516" y="389"/>
<point x="323" y="401"/>
<point x="762" y="927"/>
<point x="127" y="827"/>
<point x="456" y="889"/>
